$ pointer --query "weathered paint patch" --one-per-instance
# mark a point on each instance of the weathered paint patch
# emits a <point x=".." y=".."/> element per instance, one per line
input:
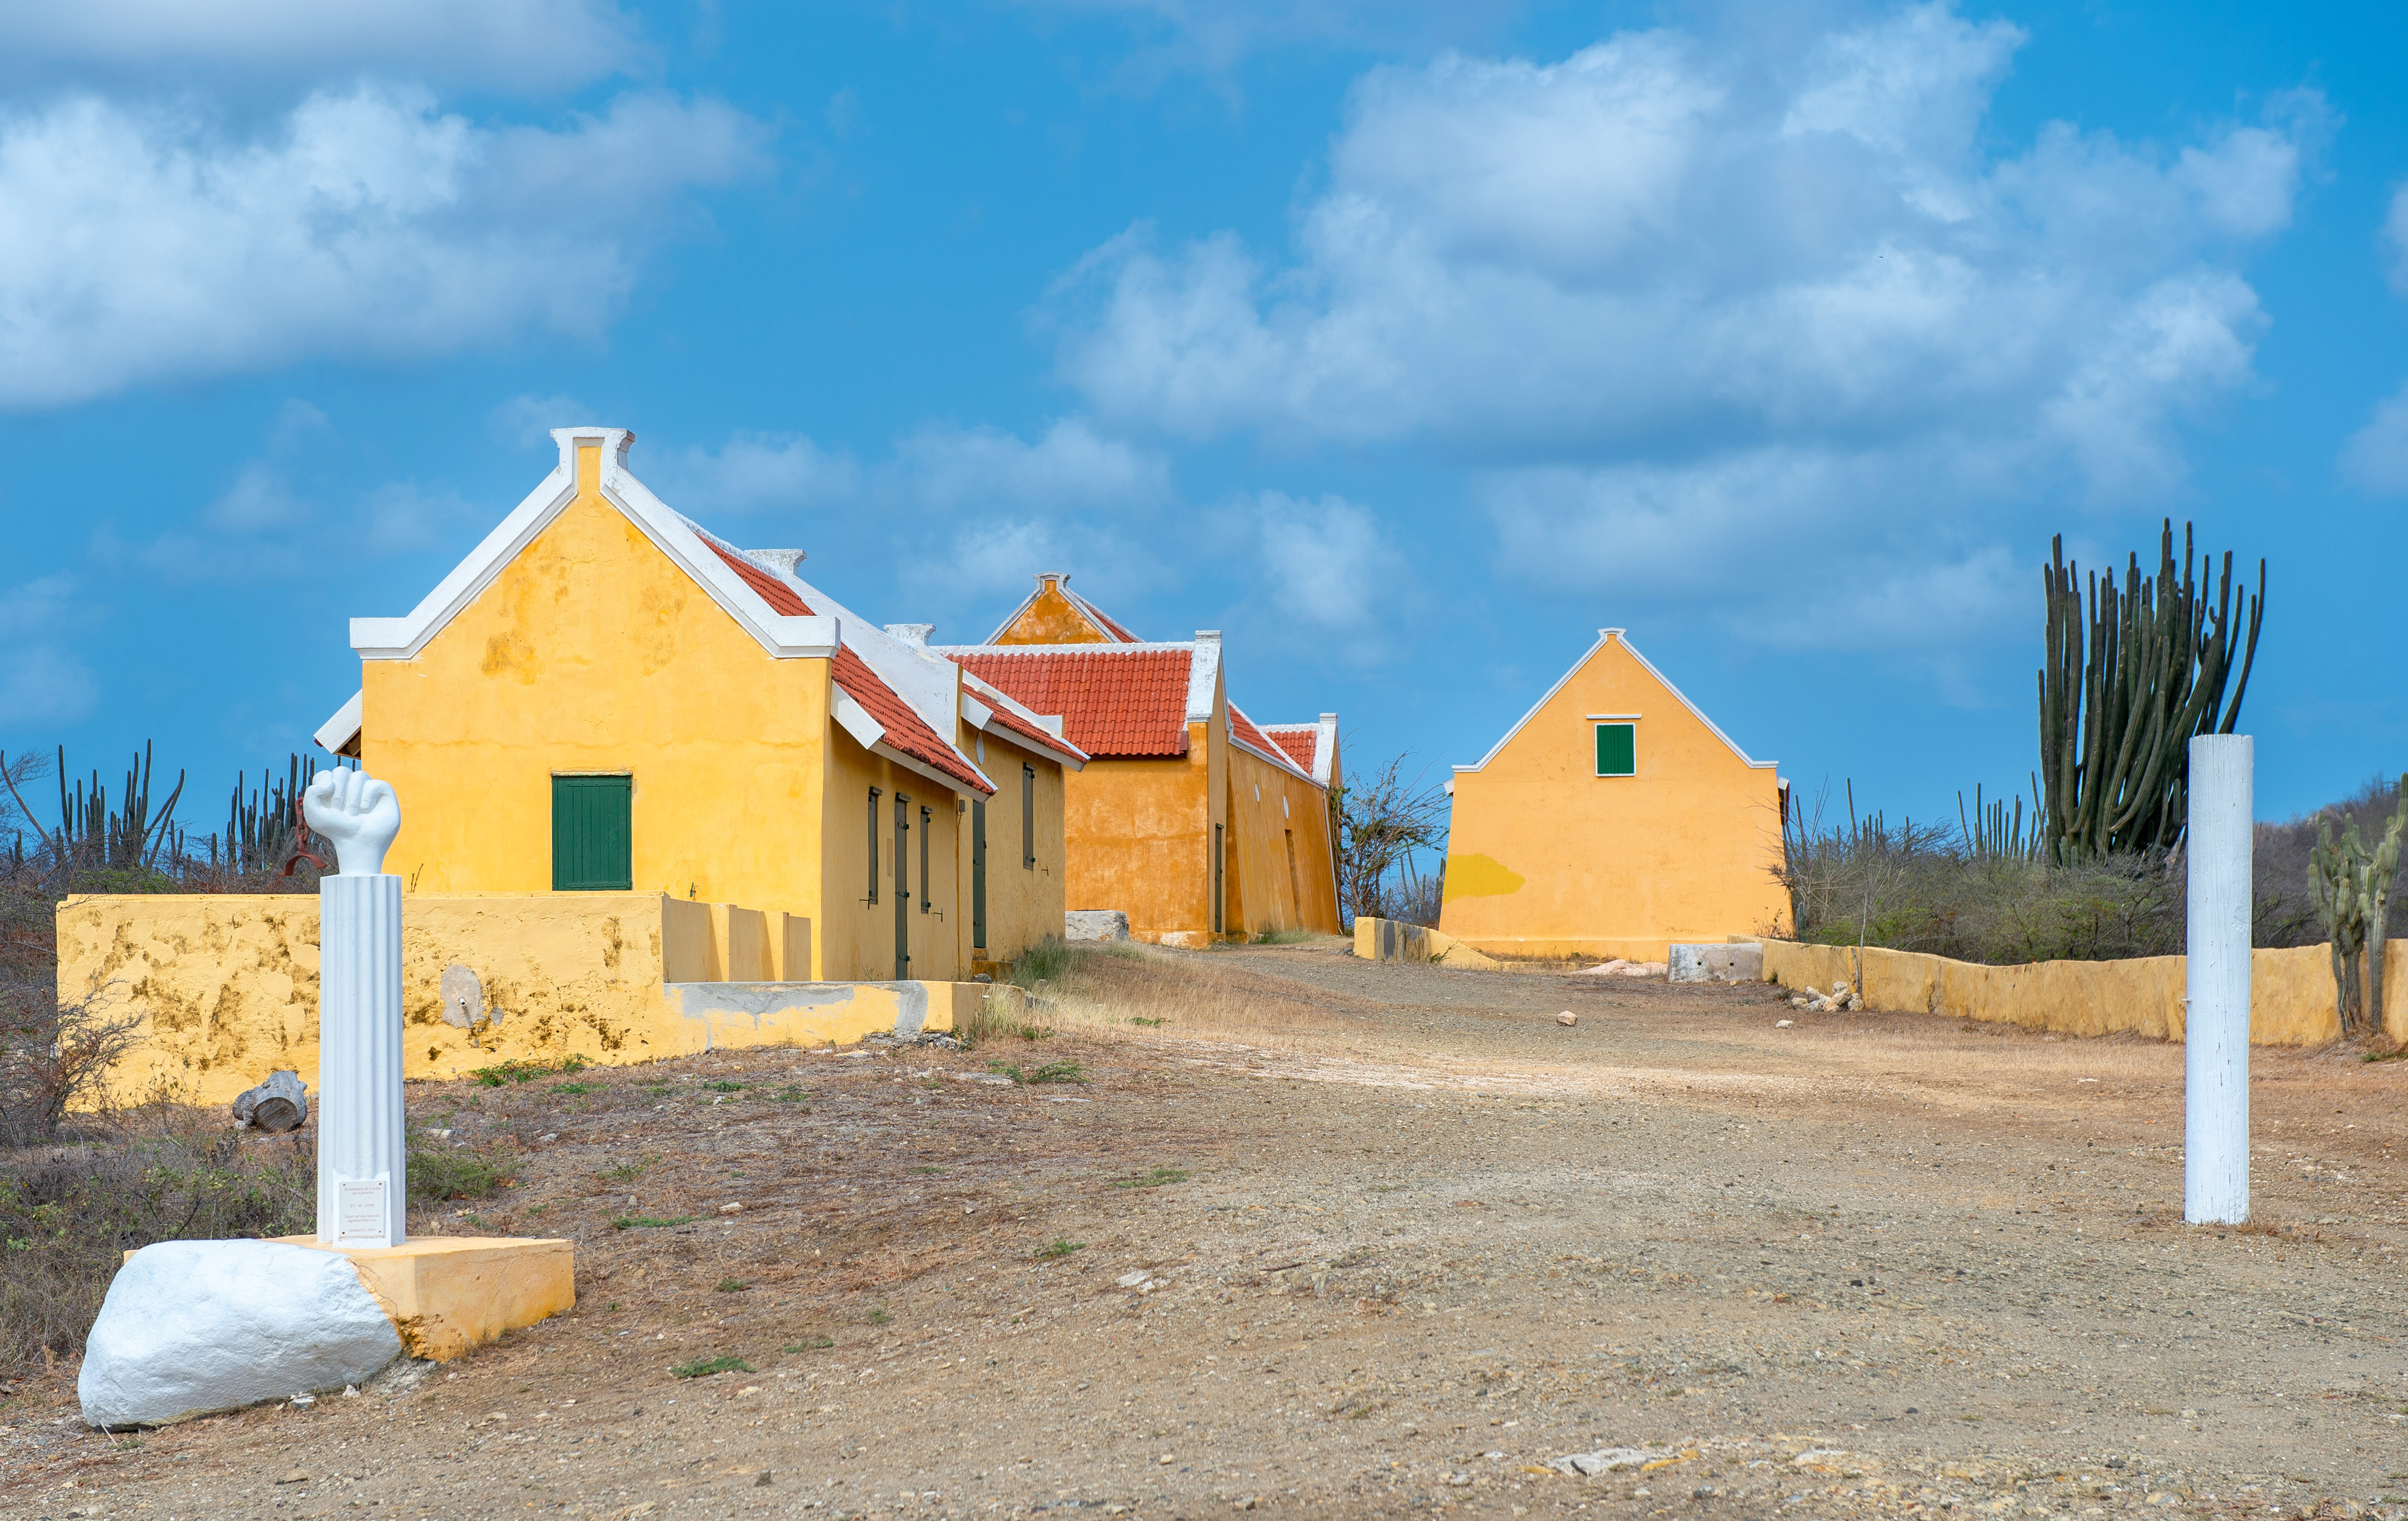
<point x="719" y="1014"/>
<point x="1480" y="876"/>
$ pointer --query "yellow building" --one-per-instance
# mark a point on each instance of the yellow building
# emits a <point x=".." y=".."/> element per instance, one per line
<point x="1189" y="817"/>
<point x="1613" y="819"/>
<point x="603" y="698"/>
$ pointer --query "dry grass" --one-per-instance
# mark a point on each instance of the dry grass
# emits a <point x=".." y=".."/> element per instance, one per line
<point x="1145" y="993"/>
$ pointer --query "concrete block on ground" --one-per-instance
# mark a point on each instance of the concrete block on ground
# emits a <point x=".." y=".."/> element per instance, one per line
<point x="1095" y="924"/>
<point x="190" y="1328"/>
<point x="444" y="1295"/>
<point x="1739" y="963"/>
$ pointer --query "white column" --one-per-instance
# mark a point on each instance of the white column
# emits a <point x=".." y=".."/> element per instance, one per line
<point x="363" y="1188"/>
<point x="2216" y="982"/>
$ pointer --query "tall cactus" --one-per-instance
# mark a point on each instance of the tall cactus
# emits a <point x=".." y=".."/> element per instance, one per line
<point x="2333" y="873"/>
<point x="2127" y="684"/>
<point x="2353" y="897"/>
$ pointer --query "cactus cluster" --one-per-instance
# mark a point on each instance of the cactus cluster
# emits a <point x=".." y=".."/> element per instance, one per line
<point x="2129" y="681"/>
<point x="2353" y="896"/>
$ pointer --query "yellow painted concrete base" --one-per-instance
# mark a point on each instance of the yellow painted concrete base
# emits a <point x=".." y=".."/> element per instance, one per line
<point x="447" y="1294"/>
<point x="1385" y="939"/>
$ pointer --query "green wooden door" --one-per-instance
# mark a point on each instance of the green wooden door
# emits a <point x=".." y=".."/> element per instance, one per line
<point x="592" y="836"/>
<point x="977" y="873"/>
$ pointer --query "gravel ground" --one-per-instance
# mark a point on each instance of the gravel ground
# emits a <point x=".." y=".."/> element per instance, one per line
<point x="1355" y="1240"/>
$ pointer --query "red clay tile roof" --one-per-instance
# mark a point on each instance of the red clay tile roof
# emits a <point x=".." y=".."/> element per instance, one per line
<point x="905" y="729"/>
<point x="1113" y="701"/>
<point x="1246" y="731"/>
<point x="1299" y="743"/>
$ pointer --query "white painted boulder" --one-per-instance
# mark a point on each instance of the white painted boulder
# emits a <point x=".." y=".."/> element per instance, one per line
<point x="195" y="1327"/>
<point x="1095" y="924"/>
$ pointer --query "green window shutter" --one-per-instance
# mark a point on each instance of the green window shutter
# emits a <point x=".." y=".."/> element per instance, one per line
<point x="1617" y="749"/>
<point x="592" y="836"/>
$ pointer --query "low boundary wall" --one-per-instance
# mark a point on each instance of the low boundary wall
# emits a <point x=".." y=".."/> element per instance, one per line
<point x="2290" y="991"/>
<point x="227" y="986"/>
<point x="1388" y="940"/>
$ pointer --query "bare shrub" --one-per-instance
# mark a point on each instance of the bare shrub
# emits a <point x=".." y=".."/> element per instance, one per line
<point x="1383" y="823"/>
<point x="55" y="1055"/>
<point x="70" y="1210"/>
<point x="1932" y="889"/>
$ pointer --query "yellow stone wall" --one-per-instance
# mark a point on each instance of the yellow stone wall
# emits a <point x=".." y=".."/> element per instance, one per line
<point x="1140" y="834"/>
<point x="1387" y="939"/>
<point x="592" y="650"/>
<point x="228" y="985"/>
<point x="1547" y="859"/>
<point x="1265" y="894"/>
<point x="2290" y="991"/>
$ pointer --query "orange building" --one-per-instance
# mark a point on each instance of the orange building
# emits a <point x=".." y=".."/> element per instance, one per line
<point x="1194" y="820"/>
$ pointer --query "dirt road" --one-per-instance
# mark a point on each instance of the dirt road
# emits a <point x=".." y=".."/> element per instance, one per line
<point x="1353" y="1240"/>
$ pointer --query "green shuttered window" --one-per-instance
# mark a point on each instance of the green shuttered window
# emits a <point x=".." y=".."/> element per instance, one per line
<point x="592" y="836"/>
<point x="1617" y="749"/>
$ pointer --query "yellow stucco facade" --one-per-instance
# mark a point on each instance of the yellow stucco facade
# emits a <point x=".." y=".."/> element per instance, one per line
<point x="1548" y="858"/>
<point x="612" y="642"/>
<point x="592" y="652"/>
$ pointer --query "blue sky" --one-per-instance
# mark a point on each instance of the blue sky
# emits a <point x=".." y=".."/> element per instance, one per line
<point x="1409" y="344"/>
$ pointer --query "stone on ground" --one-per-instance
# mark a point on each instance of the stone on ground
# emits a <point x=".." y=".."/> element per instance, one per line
<point x="195" y="1327"/>
<point x="1095" y="924"/>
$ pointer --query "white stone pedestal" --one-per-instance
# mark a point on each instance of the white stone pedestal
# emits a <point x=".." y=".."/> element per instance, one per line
<point x="363" y="1185"/>
<point x="2215" y="982"/>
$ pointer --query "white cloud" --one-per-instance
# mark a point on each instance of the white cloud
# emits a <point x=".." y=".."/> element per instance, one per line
<point x="1700" y="308"/>
<point x="2375" y="459"/>
<point x="2395" y="234"/>
<point x="1214" y="37"/>
<point x="756" y="470"/>
<point x="936" y="469"/>
<point x="1660" y="245"/>
<point x="1070" y="467"/>
<point x="529" y="417"/>
<point x="503" y="44"/>
<point x="273" y="519"/>
<point x="142" y="244"/>
<point x="43" y="682"/>
<point x="1328" y="563"/>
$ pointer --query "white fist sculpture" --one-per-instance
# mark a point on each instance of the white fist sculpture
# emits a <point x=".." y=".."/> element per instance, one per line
<point x="360" y="814"/>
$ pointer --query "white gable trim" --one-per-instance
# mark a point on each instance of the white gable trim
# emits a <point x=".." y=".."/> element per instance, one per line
<point x="1274" y="756"/>
<point x="343" y="728"/>
<point x="991" y="697"/>
<point x="784" y="638"/>
<point x="1203" y="675"/>
<point x="1604" y="637"/>
<point x="1324" y="742"/>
